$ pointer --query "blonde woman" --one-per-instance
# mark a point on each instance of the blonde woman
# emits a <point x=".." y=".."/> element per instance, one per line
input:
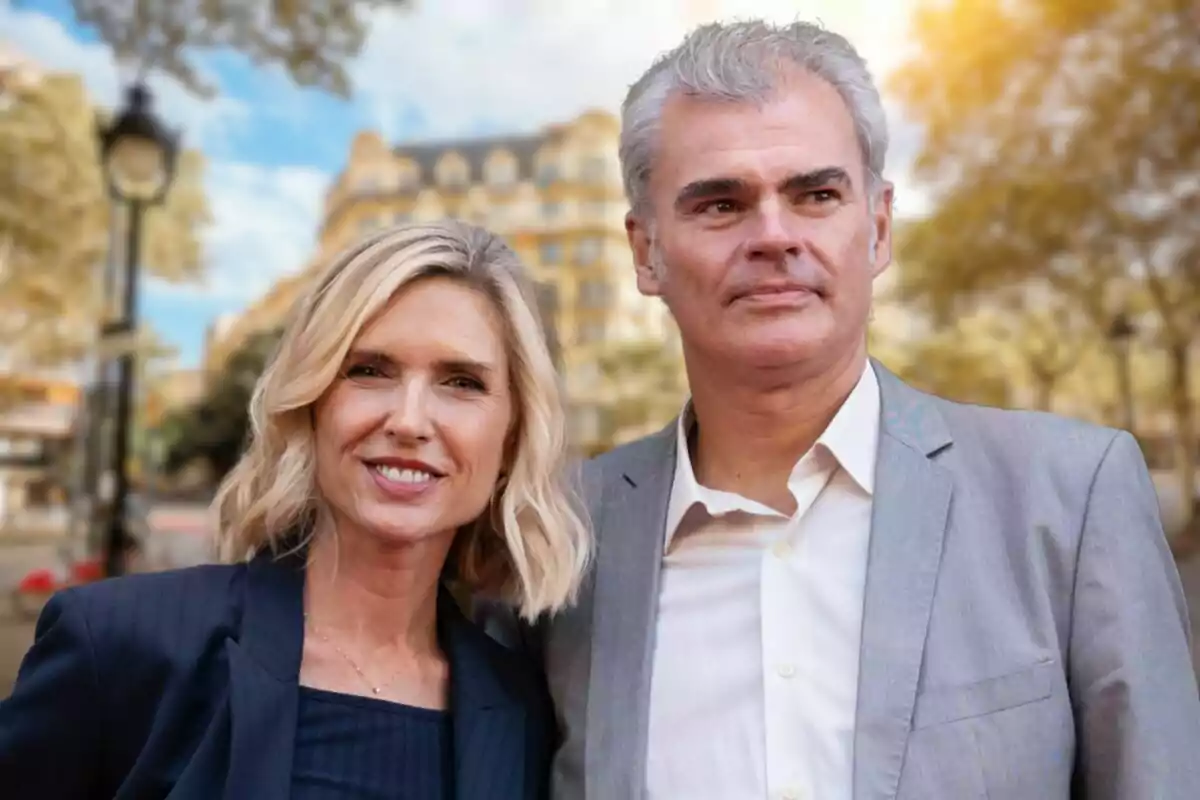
<point x="408" y="433"/>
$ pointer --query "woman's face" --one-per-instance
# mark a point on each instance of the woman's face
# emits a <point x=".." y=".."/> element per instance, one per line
<point x="410" y="439"/>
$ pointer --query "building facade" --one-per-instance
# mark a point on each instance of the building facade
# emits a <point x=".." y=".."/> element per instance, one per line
<point x="38" y="414"/>
<point x="556" y="197"/>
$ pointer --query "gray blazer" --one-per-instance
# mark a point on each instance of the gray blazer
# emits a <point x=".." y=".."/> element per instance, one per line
<point x="1025" y="635"/>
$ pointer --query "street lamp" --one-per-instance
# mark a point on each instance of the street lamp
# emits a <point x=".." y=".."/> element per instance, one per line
<point x="138" y="154"/>
<point x="1121" y="333"/>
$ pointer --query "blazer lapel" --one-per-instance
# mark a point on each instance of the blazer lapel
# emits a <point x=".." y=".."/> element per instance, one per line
<point x="633" y="517"/>
<point x="490" y="738"/>
<point x="264" y="667"/>
<point x="911" y="505"/>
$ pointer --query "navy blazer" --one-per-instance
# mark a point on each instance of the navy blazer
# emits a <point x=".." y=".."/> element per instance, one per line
<point x="184" y="685"/>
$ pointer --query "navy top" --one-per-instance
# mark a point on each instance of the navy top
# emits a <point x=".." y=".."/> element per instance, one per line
<point x="349" y="746"/>
<point x="186" y="684"/>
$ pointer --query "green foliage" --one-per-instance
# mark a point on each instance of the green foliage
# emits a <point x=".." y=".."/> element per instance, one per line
<point x="648" y="385"/>
<point x="309" y="39"/>
<point x="215" y="430"/>
<point x="55" y="222"/>
<point x="1062" y="147"/>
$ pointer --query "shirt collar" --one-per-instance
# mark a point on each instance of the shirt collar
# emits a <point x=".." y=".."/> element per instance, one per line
<point x="852" y="437"/>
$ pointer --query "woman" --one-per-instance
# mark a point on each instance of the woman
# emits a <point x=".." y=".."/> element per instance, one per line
<point x="405" y="436"/>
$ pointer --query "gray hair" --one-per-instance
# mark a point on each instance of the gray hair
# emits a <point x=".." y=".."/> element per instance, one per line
<point x="740" y="62"/>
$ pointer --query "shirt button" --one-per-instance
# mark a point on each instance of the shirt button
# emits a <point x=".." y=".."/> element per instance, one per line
<point x="781" y="549"/>
<point x="790" y="794"/>
<point x="786" y="670"/>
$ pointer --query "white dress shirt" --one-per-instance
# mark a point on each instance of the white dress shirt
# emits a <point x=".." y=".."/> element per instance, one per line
<point x="755" y="666"/>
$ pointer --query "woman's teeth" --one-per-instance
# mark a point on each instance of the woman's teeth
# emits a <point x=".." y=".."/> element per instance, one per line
<point x="397" y="475"/>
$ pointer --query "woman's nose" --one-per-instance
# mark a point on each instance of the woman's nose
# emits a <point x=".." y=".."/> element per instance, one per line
<point x="409" y="418"/>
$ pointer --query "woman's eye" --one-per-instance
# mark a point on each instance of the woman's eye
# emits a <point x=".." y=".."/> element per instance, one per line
<point x="466" y="382"/>
<point x="360" y="371"/>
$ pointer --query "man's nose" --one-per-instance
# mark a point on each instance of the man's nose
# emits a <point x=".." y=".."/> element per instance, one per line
<point x="776" y="233"/>
<point x="409" y="419"/>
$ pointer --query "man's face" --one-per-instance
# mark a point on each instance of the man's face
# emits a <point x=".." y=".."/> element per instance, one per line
<point x="760" y="230"/>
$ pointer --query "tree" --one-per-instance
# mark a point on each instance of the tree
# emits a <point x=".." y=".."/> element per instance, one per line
<point x="309" y="39"/>
<point x="215" y="430"/>
<point x="964" y="371"/>
<point x="1062" y="143"/>
<point x="647" y="386"/>
<point x="56" y="218"/>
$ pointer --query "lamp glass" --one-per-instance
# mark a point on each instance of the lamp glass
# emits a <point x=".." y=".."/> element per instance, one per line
<point x="137" y="168"/>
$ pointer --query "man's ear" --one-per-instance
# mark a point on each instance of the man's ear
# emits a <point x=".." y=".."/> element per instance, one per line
<point x="641" y="244"/>
<point x="881" y="254"/>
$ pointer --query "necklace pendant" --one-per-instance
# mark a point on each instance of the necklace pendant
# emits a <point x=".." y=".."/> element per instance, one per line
<point x="375" y="690"/>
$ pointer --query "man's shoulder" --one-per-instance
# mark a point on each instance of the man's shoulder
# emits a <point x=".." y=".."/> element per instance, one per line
<point x="613" y="463"/>
<point x="1021" y="433"/>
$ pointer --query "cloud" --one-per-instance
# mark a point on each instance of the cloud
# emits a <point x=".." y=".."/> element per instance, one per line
<point x="264" y="227"/>
<point x="447" y="68"/>
<point x="515" y="65"/>
<point x="265" y="218"/>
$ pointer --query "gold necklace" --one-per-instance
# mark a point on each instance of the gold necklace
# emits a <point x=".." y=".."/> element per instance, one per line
<point x="375" y="689"/>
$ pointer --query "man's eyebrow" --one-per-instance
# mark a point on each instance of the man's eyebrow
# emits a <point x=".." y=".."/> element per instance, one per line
<point x="708" y="187"/>
<point x="803" y="181"/>
<point x="815" y="179"/>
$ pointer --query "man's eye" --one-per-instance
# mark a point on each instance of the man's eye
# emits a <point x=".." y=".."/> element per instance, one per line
<point x="824" y="195"/>
<point x="717" y="207"/>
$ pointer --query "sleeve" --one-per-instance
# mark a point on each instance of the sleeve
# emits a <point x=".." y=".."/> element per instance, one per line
<point x="1137" y="707"/>
<point x="49" y="736"/>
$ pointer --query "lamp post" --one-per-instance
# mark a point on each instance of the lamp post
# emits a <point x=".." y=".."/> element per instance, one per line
<point x="1121" y="333"/>
<point x="138" y="154"/>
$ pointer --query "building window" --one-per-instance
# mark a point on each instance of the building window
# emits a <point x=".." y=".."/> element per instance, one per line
<point x="590" y="332"/>
<point x="502" y="172"/>
<point x="368" y="183"/>
<point x="595" y="210"/>
<point x="587" y="251"/>
<point x="550" y="253"/>
<point x="547" y="305"/>
<point x="595" y="169"/>
<point x="593" y="294"/>
<point x="408" y="176"/>
<point x="452" y="171"/>
<point x="547" y="173"/>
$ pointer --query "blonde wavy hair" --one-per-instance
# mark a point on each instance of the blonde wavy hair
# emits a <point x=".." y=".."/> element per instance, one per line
<point x="532" y="546"/>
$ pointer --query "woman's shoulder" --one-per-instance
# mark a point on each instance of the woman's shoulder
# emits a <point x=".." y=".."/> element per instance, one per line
<point x="165" y="587"/>
<point x="156" y="611"/>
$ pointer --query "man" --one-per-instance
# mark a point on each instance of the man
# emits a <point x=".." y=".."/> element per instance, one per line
<point x="820" y="582"/>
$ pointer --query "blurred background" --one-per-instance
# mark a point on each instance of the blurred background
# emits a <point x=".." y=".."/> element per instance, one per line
<point x="171" y="172"/>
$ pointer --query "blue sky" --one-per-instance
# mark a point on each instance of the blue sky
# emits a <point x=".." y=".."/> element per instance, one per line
<point x="447" y="68"/>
